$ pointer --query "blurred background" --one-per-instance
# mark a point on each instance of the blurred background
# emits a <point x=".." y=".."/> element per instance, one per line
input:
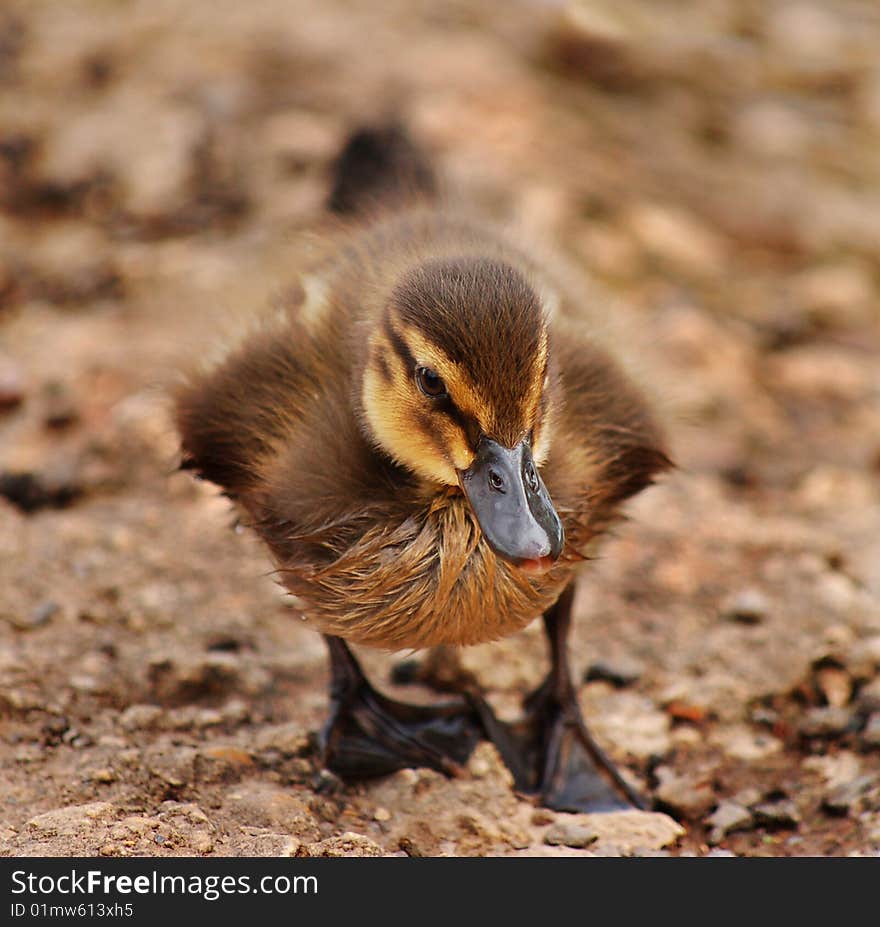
<point x="711" y="165"/>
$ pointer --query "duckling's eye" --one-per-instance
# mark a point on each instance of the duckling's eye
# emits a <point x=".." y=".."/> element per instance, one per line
<point x="430" y="383"/>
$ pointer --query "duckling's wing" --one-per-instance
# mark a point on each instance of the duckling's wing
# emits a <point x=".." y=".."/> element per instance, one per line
<point x="231" y="416"/>
<point x="273" y="425"/>
<point x="607" y="445"/>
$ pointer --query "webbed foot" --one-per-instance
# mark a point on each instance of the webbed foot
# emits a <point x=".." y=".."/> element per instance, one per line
<point x="369" y="734"/>
<point x="550" y="752"/>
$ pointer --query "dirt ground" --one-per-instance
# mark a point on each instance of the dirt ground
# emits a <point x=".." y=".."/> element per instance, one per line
<point x="711" y="165"/>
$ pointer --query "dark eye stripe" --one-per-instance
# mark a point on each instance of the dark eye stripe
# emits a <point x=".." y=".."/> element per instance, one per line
<point x="467" y="424"/>
<point x="444" y="404"/>
<point x="400" y="346"/>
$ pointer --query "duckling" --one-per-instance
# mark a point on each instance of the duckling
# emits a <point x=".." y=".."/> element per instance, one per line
<point x="429" y="443"/>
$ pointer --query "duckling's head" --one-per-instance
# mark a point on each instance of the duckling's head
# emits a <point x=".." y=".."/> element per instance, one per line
<point x="458" y="389"/>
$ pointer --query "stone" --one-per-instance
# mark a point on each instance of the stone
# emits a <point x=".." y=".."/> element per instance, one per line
<point x="104" y="775"/>
<point x="626" y="833"/>
<point x="863" y="658"/>
<point x="280" y="808"/>
<point x="825" y="722"/>
<point x="743" y="743"/>
<point x="835" y="769"/>
<point x="71" y="821"/>
<point x="175" y="766"/>
<point x="729" y="816"/>
<point x="620" y="672"/>
<point x="836" y="293"/>
<point x="748" y="606"/>
<point x="542" y="816"/>
<point x="44" y="613"/>
<point x="873" y="829"/>
<point x="347" y="844"/>
<point x="868" y="699"/>
<point x="835" y="684"/>
<point x="871" y="733"/>
<point x="140" y="717"/>
<point x="686" y="794"/>
<point x="783" y="813"/>
<point x="289" y="739"/>
<point x="570" y="834"/>
<point x="12" y="386"/>
<point x="595" y="44"/>
<point x="37" y="617"/>
<point x="186" y="680"/>
<point x="632" y="722"/>
<point x="859" y="794"/>
<point x="60" y="406"/>
<point x="222" y="762"/>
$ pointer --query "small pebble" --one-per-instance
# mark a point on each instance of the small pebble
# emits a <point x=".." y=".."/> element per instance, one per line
<point x="825" y="722"/>
<point x="835" y="685"/>
<point x="620" y="673"/>
<point x="572" y="835"/>
<point x="140" y="717"/>
<point x="542" y="816"/>
<point x="11" y="386"/>
<point x="44" y="613"/>
<point x="747" y="797"/>
<point x="748" y="606"/>
<point x="727" y="817"/>
<point x="871" y="733"/>
<point x="381" y="814"/>
<point x="688" y="795"/>
<point x="782" y="813"/>
<point x="347" y="844"/>
<point x="680" y="710"/>
<point x="863" y="658"/>
<point x="61" y="411"/>
<point x="868" y="698"/>
<point x="853" y="796"/>
<point x="105" y="775"/>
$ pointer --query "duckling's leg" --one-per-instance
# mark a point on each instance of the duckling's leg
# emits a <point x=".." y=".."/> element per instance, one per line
<point x="559" y="760"/>
<point x="369" y="734"/>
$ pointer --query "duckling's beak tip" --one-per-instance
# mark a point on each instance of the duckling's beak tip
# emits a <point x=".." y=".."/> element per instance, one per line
<point x="537" y="566"/>
<point x="512" y="505"/>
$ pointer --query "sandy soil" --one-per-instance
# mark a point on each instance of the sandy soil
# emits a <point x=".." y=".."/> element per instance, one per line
<point x="710" y="165"/>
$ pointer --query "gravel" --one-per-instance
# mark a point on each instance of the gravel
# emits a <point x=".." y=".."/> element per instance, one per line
<point x="171" y="701"/>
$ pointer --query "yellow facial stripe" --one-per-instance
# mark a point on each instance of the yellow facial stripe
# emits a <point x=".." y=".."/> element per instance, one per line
<point x="466" y="396"/>
<point x="396" y="428"/>
<point x="538" y="380"/>
<point x="404" y="424"/>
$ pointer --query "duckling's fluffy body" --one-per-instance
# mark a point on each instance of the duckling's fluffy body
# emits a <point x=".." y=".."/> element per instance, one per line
<point x="310" y="426"/>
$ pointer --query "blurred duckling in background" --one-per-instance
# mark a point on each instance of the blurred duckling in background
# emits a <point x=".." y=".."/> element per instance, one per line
<point x="428" y="442"/>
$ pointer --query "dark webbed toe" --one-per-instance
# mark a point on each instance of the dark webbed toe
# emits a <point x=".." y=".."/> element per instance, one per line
<point x="550" y="752"/>
<point x="369" y="734"/>
<point x="571" y="772"/>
